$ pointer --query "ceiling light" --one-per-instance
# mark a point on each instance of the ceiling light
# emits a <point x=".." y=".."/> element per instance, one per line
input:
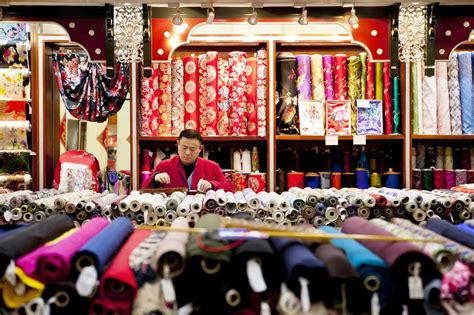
<point x="303" y="20"/>
<point x="177" y="18"/>
<point x="353" y="19"/>
<point x="210" y="15"/>
<point x="253" y="17"/>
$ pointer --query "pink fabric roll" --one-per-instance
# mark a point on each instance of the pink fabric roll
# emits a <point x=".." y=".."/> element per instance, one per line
<point x="340" y="77"/>
<point x="177" y="96"/>
<point x="149" y="104"/>
<point x="212" y="88"/>
<point x="252" y="96"/>
<point x="470" y="176"/>
<point x="50" y="264"/>
<point x="456" y="282"/>
<point x="461" y="177"/>
<point x="237" y="97"/>
<point x="164" y="99"/>
<point x="450" y="178"/>
<point x="430" y="125"/>
<point x="191" y="101"/>
<point x="223" y="101"/>
<point x="387" y="99"/>
<point x="442" y="98"/>
<point x="202" y="94"/>
<point x="145" y="178"/>
<point x="328" y="72"/>
<point x="439" y="179"/>
<point x="262" y="92"/>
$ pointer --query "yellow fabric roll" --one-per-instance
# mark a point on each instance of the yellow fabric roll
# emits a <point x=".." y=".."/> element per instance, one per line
<point x="317" y="81"/>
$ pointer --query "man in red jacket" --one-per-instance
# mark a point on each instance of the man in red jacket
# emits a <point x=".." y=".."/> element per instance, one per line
<point x="187" y="169"/>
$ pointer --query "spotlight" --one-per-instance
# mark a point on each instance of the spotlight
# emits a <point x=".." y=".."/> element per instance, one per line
<point x="303" y="20"/>
<point x="210" y="15"/>
<point x="177" y="18"/>
<point x="353" y="19"/>
<point x="253" y="17"/>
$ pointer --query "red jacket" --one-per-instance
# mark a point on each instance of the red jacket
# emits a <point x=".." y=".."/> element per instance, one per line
<point x="204" y="169"/>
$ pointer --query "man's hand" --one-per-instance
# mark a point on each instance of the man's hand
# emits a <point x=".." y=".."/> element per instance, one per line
<point x="204" y="185"/>
<point x="163" y="178"/>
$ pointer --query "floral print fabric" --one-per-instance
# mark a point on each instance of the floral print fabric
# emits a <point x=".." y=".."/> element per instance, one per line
<point x="13" y="135"/>
<point x="369" y="117"/>
<point x="338" y="117"/>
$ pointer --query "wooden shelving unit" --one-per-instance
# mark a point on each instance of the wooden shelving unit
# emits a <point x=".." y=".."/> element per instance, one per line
<point x="344" y="138"/>
<point x="443" y="137"/>
<point x="207" y="139"/>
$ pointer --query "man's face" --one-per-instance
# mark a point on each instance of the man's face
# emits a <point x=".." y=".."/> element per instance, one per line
<point x="188" y="150"/>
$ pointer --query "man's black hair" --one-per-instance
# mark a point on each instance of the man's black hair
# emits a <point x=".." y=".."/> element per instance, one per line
<point x="190" y="134"/>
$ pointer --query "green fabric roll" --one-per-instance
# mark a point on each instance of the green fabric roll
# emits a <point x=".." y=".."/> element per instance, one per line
<point x="354" y="69"/>
<point x="427" y="178"/>
<point x="379" y="81"/>
<point x="396" y="104"/>
<point x="363" y="76"/>
<point x="208" y="221"/>
<point x="414" y="97"/>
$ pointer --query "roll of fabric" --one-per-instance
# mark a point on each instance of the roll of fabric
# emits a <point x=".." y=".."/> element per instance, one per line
<point x="416" y="106"/>
<point x="448" y="158"/>
<point x="391" y="180"/>
<point x="340" y="77"/>
<point x="430" y="125"/>
<point x="262" y="65"/>
<point x="419" y="94"/>
<point x="465" y="87"/>
<point x="312" y="117"/>
<point x="348" y="180"/>
<point x="454" y="95"/>
<point x="295" y="179"/>
<point x="29" y="238"/>
<point x="281" y="180"/>
<point x="396" y="105"/>
<point x="450" y="178"/>
<point x="13" y="135"/>
<point x="387" y="99"/>
<point x="223" y="102"/>
<point x="338" y="117"/>
<point x="461" y="177"/>
<point x="466" y="228"/>
<point x="312" y="180"/>
<point x="354" y="69"/>
<point x="118" y="286"/>
<point x="286" y="93"/>
<point x="13" y="109"/>
<point x="450" y="231"/>
<point x="328" y="71"/>
<point x="457" y="158"/>
<point x="148" y="102"/>
<point x="420" y="156"/>
<point x="439" y="157"/>
<point x="191" y="92"/>
<point x="336" y="180"/>
<point x="304" y="77"/>
<point x="472" y="157"/>
<point x="442" y="98"/>
<point x="370" y="89"/>
<point x="363" y="74"/>
<point x="325" y="180"/>
<point x="12" y="81"/>
<point x="237" y="96"/>
<point x="177" y="96"/>
<point x="173" y="250"/>
<point x="202" y="93"/>
<point x="164" y="99"/>
<point x="375" y="180"/>
<point x="362" y="178"/>
<point x="416" y="179"/>
<point x="51" y="264"/>
<point x="470" y="176"/>
<point x="212" y="88"/>
<point x="465" y="158"/>
<point x="379" y="81"/>
<point x="439" y="179"/>
<point x="299" y="262"/>
<point x="317" y="77"/>
<point x="252" y="96"/>
<point x="430" y="157"/>
<point x="399" y="256"/>
<point x="427" y="178"/>
<point x="100" y="249"/>
<point x="370" y="119"/>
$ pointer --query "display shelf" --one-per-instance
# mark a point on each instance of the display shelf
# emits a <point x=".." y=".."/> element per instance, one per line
<point x="348" y="138"/>
<point x="206" y="139"/>
<point x="443" y="137"/>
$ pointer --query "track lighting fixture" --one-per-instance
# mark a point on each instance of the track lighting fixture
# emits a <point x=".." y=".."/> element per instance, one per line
<point x="303" y="20"/>
<point x="177" y="18"/>
<point x="353" y="19"/>
<point x="210" y="15"/>
<point x="253" y="17"/>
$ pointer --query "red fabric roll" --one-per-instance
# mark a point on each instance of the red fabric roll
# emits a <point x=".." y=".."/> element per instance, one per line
<point x="295" y="179"/>
<point x="252" y="96"/>
<point x="470" y="176"/>
<point x="223" y="102"/>
<point x="439" y="179"/>
<point x="237" y="96"/>
<point x="465" y="158"/>
<point x="149" y="103"/>
<point x="347" y="161"/>
<point x="380" y="201"/>
<point x="336" y="180"/>
<point x="177" y="96"/>
<point x="340" y="77"/>
<point x="119" y="272"/>
<point x="164" y="99"/>
<point x="212" y="88"/>
<point x="387" y="99"/>
<point x="146" y="161"/>
<point x="370" y="87"/>
<point x="191" y="101"/>
<point x="202" y="94"/>
<point x="262" y="92"/>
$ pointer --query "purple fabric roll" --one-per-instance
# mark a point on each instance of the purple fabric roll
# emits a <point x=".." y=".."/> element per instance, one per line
<point x="50" y="264"/>
<point x="304" y="77"/>
<point x="450" y="177"/>
<point x="328" y="70"/>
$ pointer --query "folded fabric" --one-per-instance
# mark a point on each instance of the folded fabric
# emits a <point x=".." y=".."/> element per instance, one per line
<point x="450" y="231"/>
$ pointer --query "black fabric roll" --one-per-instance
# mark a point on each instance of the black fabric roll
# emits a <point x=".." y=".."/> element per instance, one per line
<point x="281" y="181"/>
<point x="287" y="110"/>
<point x="457" y="158"/>
<point x="67" y="301"/>
<point x="430" y="157"/>
<point x="341" y="272"/>
<point x="22" y="241"/>
<point x="348" y="180"/>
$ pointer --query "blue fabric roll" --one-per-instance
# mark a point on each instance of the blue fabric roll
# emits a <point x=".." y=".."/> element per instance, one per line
<point x="299" y="261"/>
<point x="336" y="161"/>
<point x="320" y="208"/>
<point x="312" y="181"/>
<point x="466" y="228"/>
<point x="466" y="90"/>
<point x="450" y="231"/>
<point x="106" y="244"/>
<point x="362" y="178"/>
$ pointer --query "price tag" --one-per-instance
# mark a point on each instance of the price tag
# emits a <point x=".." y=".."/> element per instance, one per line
<point x="415" y="285"/>
<point x="255" y="276"/>
<point x="87" y="281"/>
<point x="359" y="140"/>
<point x="363" y="103"/>
<point x="331" y="140"/>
